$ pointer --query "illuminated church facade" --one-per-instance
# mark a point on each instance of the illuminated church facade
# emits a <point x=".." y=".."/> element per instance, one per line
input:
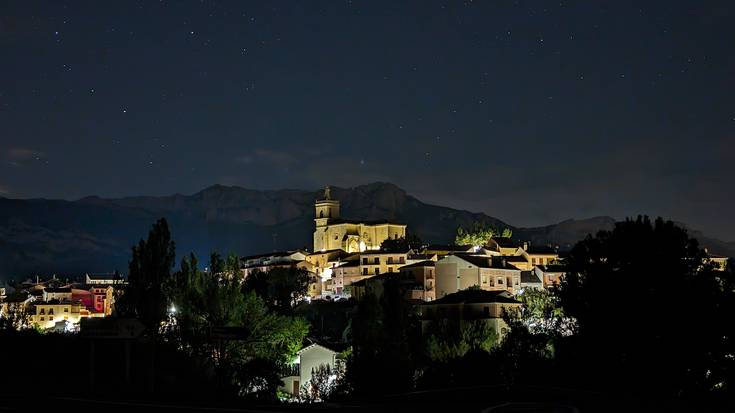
<point x="333" y="232"/>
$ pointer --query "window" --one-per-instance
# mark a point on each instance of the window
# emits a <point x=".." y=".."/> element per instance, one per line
<point x="484" y="279"/>
<point x="321" y="214"/>
<point x="43" y="319"/>
<point x="377" y="270"/>
<point x="390" y="260"/>
<point x="533" y="261"/>
<point x="364" y="271"/>
<point x="364" y="261"/>
<point x="50" y="311"/>
<point x="376" y="260"/>
<point x="500" y="281"/>
<point x="390" y="269"/>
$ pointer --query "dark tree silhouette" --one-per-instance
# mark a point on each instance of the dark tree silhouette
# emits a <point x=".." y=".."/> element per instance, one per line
<point x="382" y="361"/>
<point x="652" y="317"/>
<point x="402" y="244"/>
<point x="149" y="270"/>
<point x="281" y="288"/>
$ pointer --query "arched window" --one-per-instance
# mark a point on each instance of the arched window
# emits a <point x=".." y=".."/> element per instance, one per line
<point x="321" y="214"/>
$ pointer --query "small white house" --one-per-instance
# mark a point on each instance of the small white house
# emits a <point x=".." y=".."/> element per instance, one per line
<point x="307" y="359"/>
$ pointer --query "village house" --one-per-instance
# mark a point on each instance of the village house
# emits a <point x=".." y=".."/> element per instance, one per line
<point x="364" y="265"/>
<point x="308" y="359"/>
<point x="47" y="314"/>
<point x="529" y="280"/>
<point x="470" y="305"/>
<point x="461" y="271"/>
<point x="268" y="261"/>
<point x="549" y="274"/>
<point x="422" y="273"/>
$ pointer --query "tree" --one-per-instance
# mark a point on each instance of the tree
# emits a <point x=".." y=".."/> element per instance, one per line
<point x="215" y="298"/>
<point x="541" y="313"/>
<point x="14" y="313"/>
<point x="382" y="359"/>
<point x="648" y="308"/>
<point x="479" y="234"/>
<point x="149" y="270"/>
<point x="402" y="244"/>
<point x="281" y="288"/>
<point x="452" y="340"/>
<point x="323" y="384"/>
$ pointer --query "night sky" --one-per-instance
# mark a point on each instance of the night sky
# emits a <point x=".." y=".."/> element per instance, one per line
<point x="532" y="112"/>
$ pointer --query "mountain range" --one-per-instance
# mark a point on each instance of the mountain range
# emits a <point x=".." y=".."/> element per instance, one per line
<point x="93" y="234"/>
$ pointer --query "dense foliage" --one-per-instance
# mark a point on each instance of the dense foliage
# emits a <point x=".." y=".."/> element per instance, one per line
<point x="645" y="298"/>
<point x="479" y="234"/>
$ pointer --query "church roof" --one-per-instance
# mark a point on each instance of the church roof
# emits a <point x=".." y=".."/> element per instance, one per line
<point x="336" y="221"/>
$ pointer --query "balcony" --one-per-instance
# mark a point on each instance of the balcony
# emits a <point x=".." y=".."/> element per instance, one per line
<point x="290" y="370"/>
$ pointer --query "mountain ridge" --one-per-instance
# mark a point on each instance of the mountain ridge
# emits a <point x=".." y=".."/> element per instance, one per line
<point x="94" y="234"/>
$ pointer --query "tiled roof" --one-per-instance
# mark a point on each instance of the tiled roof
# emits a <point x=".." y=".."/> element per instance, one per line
<point x="427" y="263"/>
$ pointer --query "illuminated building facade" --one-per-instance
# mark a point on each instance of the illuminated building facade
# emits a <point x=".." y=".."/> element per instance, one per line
<point x="333" y="232"/>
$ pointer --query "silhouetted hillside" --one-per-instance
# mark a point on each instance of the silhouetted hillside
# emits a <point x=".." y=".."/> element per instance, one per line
<point x="95" y="234"/>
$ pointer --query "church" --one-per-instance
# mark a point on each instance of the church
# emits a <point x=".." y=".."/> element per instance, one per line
<point x="333" y="232"/>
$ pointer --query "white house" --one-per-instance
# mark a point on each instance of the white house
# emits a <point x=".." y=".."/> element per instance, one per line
<point x="460" y="271"/>
<point x="307" y="359"/>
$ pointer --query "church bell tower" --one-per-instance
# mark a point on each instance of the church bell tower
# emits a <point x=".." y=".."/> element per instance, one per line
<point x="326" y="209"/>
